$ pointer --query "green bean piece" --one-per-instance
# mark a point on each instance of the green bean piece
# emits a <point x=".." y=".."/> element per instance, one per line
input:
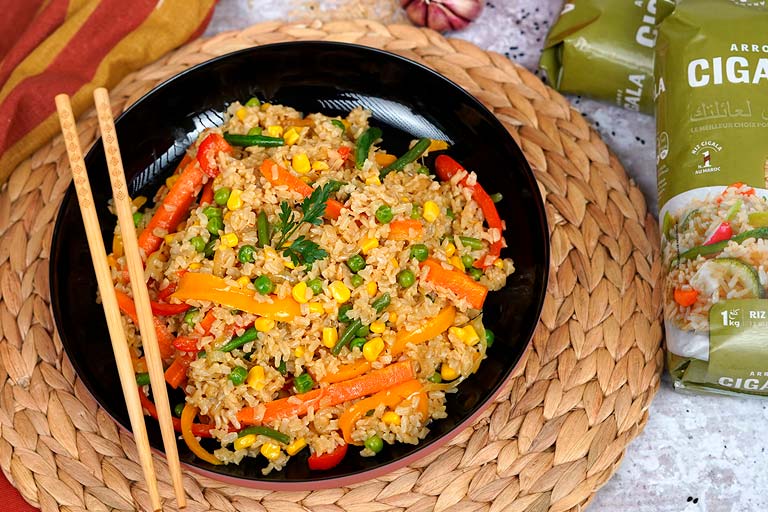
<point x="198" y="243"/>
<point x="374" y="443"/>
<point x="238" y="375"/>
<point x="384" y="214"/>
<point x="137" y="218"/>
<point x="364" y="143"/>
<point x="178" y="409"/>
<point x="338" y="124"/>
<point x="282" y="368"/>
<point x="253" y="102"/>
<point x="347" y="337"/>
<point x="209" y="248"/>
<point x="248" y="336"/>
<point x="201" y="354"/>
<point x="343" y="310"/>
<point x="489" y="337"/>
<point x="406" y="278"/>
<point x="381" y="303"/>
<point x="356" y="280"/>
<point x="420" y="252"/>
<point x="190" y="317"/>
<point x="253" y="140"/>
<point x="263" y="285"/>
<point x="357" y="343"/>
<point x="303" y="383"/>
<point x="260" y="430"/>
<point x="215" y="224"/>
<point x="221" y="195"/>
<point x="449" y="213"/>
<point x="142" y="379"/>
<point x="707" y="250"/>
<point x="497" y="197"/>
<point x="363" y="331"/>
<point x="256" y="130"/>
<point x="262" y="229"/>
<point x="475" y="273"/>
<point x="411" y="155"/>
<point x="472" y="243"/>
<point x="245" y="254"/>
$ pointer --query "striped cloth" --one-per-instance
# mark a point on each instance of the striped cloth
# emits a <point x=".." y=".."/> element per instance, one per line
<point x="49" y="47"/>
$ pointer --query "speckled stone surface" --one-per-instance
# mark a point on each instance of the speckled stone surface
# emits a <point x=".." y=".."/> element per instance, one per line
<point x="697" y="453"/>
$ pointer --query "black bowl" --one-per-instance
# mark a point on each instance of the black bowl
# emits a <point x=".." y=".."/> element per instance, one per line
<point x="407" y="101"/>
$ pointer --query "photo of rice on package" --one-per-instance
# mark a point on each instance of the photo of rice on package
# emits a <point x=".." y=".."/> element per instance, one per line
<point x="712" y="163"/>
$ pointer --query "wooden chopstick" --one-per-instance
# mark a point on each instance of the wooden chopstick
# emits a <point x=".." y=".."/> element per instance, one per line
<point x="139" y="288"/>
<point x="108" y="298"/>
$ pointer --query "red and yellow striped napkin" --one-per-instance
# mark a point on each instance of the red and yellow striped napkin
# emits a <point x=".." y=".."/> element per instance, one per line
<point x="49" y="47"/>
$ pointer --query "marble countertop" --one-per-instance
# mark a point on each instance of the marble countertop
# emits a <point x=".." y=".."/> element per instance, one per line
<point x="697" y="453"/>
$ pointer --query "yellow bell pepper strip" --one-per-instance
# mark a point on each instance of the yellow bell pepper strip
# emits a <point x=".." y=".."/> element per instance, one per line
<point x="198" y="286"/>
<point x="389" y="397"/>
<point x="429" y="330"/>
<point x="187" y="418"/>
<point x="348" y="371"/>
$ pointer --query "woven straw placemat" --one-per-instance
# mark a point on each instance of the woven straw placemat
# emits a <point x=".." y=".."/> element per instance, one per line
<point x="556" y="434"/>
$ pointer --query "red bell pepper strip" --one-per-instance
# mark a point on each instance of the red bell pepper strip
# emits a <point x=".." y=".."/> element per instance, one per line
<point x="199" y="429"/>
<point x="165" y="309"/>
<point x="446" y="167"/>
<point x="166" y="292"/>
<point x="211" y="146"/>
<point x="185" y="343"/>
<point x="327" y="460"/>
<point x="723" y="232"/>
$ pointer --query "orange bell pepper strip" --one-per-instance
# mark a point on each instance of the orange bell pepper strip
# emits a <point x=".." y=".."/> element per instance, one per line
<point x="278" y="175"/>
<point x="390" y="397"/>
<point x="434" y="327"/>
<point x="197" y="286"/>
<point x="384" y="159"/>
<point x="456" y="281"/>
<point x="407" y="229"/>
<point x="212" y="145"/>
<point x="174" y="207"/>
<point x="334" y="394"/>
<point x="348" y="371"/>
<point x="164" y="336"/>
<point x="186" y="422"/>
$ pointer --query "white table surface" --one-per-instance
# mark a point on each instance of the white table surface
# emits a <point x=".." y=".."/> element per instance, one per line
<point x="697" y="453"/>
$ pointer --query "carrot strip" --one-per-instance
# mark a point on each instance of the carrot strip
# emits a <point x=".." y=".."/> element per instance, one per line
<point x="458" y="282"/>
<point x="389" y="398"/>
<point x="207" y="322"/>
<point x="177" y="372"/>
<point x="348" y="371"/>
<point x="164" y="336"/>
<point x="429" y="330"/>
<point x="686" y="298"/>
<point x="408" y="229"/>
<point x="334" y="394"/>
<point x="207" y="196"/>
<point x="185" y="161"/>
<point x="279" y="175"/>
<point x="172" y="210"/>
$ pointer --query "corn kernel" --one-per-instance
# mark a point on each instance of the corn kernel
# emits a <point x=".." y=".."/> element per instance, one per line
<point x="229" y="240"/>
<point x="289" y="264"/>
<point x="448" y="373"/>
<point x="291" y="136"/>
<point x="498" y="263"/>
<point x="301" y="163"/>
<point x="393" y="262"/>
<point x="235" y="202"/>
<point x="227" y="216"/>
<point x="298" y="351"/>
<point x="241" y="443"/>
<point x="391" y="418"/>
<point x="456" y="331"/>
<point x="371" y="287"/>
<point x="299" y="292"/>
<point x="170" y="181"/>
<point x="256" y="377"/>
<point x="372" y="180"/>
<point x="271" y="451"/>
<point x="393" y="317"/>
<point x="373" y="348"/>
<point x="243" y="281"/>
<point x="275" y="130"/>
<point x="307" y="179"/>
<point x="450" y="249"/>
<point x="241" y="113"/>
<point x="117" y="245"/>
<point x="319" y="165"/>
<point x="470" y="336"/>
<point x="169" y="238"/>
<point x="264" y="324"/>
<point x="265" y="106"/>
<point x="195" y="266"/>
<point x="346" y="124"/>
<point x="437" y="145"/>
<point x="330" y="336"/>
<point x="269" y="253"/>
<point x="339" y="291"/>
<point x="296" y="446"/>
<point x="456" y="262"/>
<point x="384" y="159"/>
<point x="139" y="201"/>
<point x="431" y="211"/>
<point x="316" y="307"/>
<point x="378" y="327"/>
<point x="369" y="244"/>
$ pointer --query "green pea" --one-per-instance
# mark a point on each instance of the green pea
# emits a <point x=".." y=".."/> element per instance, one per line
<point x="435" y="377"/>
<point x="356" y="263"/>
<point x="374" y="443"/>
<point x="406" y="278"/>
<point x="201" y="354"/>
<point x="338" y="124"/>
<point x="356" y="280"/>
<point x="423" y="170"/>
<point x="215" y="225"/>
<point x="357" y="343"/>
<point x="245" y="254"/>
<point x="221" y="195"/>
<point x="363" y="331"/>
<point x="198" y="243"/>
<point x="303" y="383"/>
<point x="282" y="368"/>
<point x="137" y="218"/>
<point x="416" y="212"/>
<point x="256" y="130"/>
<point x="263" y="285"/>
<point x="316" y="285"/>
<point x="142" y="379"/>
<point x="489" y="337"/>
<point x="238" y="375"/>
<point x="343" y="310"/>
<point x="384" y="214"/>
<point x="496" y="197"/>
<point x="449" y="213"/>
<point x="209" y="248"/>
<point x="467" y="261"/>
<point x="178" y="409"/>
<point x="475" y="273"/>
<point x="190" y="317"/>
<point x="253" y="102"/>
<point x="211" y="211"/>
<point x="420" y="252"/>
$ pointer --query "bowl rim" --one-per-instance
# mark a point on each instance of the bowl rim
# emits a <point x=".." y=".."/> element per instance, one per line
<point x="428" y="447"/>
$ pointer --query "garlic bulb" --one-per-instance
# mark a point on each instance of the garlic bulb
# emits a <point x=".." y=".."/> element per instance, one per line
<point x="442" y="15"/>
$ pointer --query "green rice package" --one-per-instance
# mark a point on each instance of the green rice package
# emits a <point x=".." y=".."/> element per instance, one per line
<point x="712" y="154"/>
<point x="604" y="49"/>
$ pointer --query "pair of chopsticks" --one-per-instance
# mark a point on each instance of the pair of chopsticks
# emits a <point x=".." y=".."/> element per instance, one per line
<point x="109" y="300"/>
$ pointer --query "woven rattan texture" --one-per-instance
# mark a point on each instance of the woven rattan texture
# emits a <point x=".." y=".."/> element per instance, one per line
<point x="556" y="434"/>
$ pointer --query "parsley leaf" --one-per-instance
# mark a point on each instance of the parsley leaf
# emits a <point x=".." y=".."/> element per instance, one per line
<point x="304" y="252"/>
